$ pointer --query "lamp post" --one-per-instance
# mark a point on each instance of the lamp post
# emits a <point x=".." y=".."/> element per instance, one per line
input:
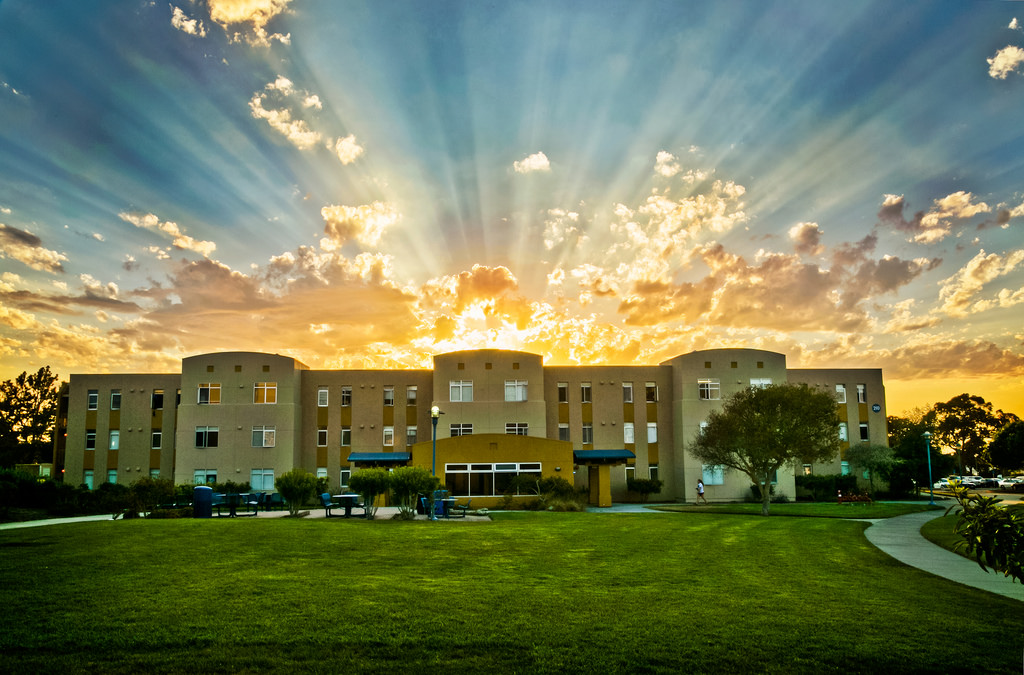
<point x="928" y="448"/>
<point x="435" y="412"/>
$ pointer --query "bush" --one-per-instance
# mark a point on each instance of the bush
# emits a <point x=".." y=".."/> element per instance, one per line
<point x="826" y="487"/>
<point x="407" y="484"/>
<point x="297" y="487"/>
<point x="645" y="487"/>
<point x="370" y="483"/>
<point x="148" y="493"/>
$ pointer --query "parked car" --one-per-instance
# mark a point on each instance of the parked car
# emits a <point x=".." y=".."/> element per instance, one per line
<point x="942" y="484"/>
<point x="1010" y="484"/>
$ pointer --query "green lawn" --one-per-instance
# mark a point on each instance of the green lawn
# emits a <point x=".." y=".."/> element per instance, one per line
<point x="807" y="509"/>
<point x="529" y="593"/>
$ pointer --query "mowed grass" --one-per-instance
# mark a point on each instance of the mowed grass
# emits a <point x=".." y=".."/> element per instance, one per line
<point x="527" y="593"/>
<point x="806" y="509"/>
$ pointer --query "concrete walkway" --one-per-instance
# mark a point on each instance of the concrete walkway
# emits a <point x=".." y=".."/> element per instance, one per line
<point x="901" y="538"/>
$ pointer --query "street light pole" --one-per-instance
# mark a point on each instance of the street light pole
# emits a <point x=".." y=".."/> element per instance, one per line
<point x="928" y="447"/>
<point x="435" y="412"/>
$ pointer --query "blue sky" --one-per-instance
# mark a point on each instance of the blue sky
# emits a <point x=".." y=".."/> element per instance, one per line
<point x="367" y="184"/>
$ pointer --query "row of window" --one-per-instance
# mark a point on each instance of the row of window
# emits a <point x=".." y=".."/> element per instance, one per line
<point x="862" y="393"/>
<point x="710" y="388"/>
<point x="650" y="392"/>
<point x="156" y="399"/>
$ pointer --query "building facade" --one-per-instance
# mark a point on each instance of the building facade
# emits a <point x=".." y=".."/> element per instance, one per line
<point x="249" y="417"/>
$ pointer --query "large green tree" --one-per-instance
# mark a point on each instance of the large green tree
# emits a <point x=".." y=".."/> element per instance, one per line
<point x="910" y="449"/>
<point x="28" y="411"/>
<point x="1007" y="448"/>
<point x="966" y="425"/>
<point x="760" y="430"/>
<point x="877" y="460"/>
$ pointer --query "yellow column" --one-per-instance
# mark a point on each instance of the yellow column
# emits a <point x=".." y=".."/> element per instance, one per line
<point x="600" y="478"/>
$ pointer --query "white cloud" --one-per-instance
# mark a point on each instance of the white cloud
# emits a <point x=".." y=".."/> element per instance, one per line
<point x="1006" y="61"/>
<point x="538" y="161"/>
<point x="254" y="15"/>
<point x="959" y="290"/>
<point x="178" y="238"/>
<point x="666" y="165"/>
<point x="1014" y="25"/>
<point x="347" y="149"/>
<point x="182" y="22"/>
<point x="365" y="223"/>
<point x="297" y="132"/>
<point x="28" y="249"/>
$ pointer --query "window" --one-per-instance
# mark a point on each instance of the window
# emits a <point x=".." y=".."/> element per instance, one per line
<point x="346" y="437"/>
<point x="264" y="437"/>
<point x="156" y="439"/>
<point x="844" y="434"/>
<point x="841" y="393"/>
<point x="207" y="437"/>
<point x="486" y="480"/>
<point x="651" y="389"/>
<point x="346" y="397"/>
<point x="864" y="432"/>
<point x="94" y="399"/>
<point x="460" y="430"/>
<point x="265" y="392"/>
<point x="410" y="395"/>
<point x="204" y="477"/>
<point x="321" y="472"/>
<point x="87" y="479"/>
<point x="90" y="439"/>
<point x="760" y="382"/>
<point x="156" y="400"/>
<point x="845" y="468"/>
<point x="627" y="392"/>
<point x="563" y="392"/>
<point x="585" y="392"/>
<point x="112" y="476"/>
<point x="389" y="395"/>
<point x="709" y="389"/>
<point x="389" y="436"/>
<point x="515" y="390"/>
<point x="154" y="473"/>
<point x="517" y="428"/>
<point x="652" y="471"/>
<point x="627" y="433"/>
<point x="461" y="391"/>
<point x="563" y="432"/>
<point x="808" y="470"/>
<point x="321" y="397"/>
<point x="630" y="473"/>
<point x="321" y="437"/>
<point x="410" y="435"/>
<point x="115" y="440"/>
<point x="209" y="393"/>
<point x="344" y="477"/>
<point x="862" y="393"/>
<point x="261" y="480"/>
<point x="588" y="433"/>
<point x="115" y="399"/>
<point x="652" y="432"/>
<point x="713" y="474"/>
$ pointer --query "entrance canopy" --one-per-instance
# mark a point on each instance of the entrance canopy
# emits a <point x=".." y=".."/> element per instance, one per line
<point x="601" y="457"/>
<point x="385" y="459"/>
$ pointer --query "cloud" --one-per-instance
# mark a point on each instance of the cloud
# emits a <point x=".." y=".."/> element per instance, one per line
<point x="903" y="320"/>
<point x="807" y="238"/>
<point x="280" y="119"/>
<point x="665" y="164"/>
<point x="538" y="161"/>
<point x="1014" y="25"/>
<point x="365" y="223"/>
<point x="28" y="249"/>
<point x="179" y="239"/>
<point x="182" y="22"/>
<point x="958" y="291"/>
<point x="347" y="149"/>
<point x="1007" y="60"/>
<point x="253" y="16"/>
<point x="935" y="224"/>
<point x="563" y="227"/>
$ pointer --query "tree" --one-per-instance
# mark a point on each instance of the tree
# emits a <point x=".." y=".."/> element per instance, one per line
<point x="992" y="534"/>
<point x="1007" y="449"/>
<point x="877" y="460"/>
<point x="645" y="487"/>
<point x="370" y="483"/>
<point x="910" y="450"/>
<point x="407" y="484"/>
<point x="297" y="487"/>
<point x="28" y="411"/>
<point x="760" y="430"/>
<point x="966" y="424"/>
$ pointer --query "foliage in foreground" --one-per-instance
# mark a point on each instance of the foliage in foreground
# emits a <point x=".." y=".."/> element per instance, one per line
<point x="297" y="487"/>
<point x="993" y="535"/>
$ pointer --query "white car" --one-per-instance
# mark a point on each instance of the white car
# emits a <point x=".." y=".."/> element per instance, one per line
<point x="1010" y="483"/>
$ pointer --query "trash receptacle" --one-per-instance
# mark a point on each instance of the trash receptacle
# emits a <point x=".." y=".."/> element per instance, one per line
<point x="202" y="502"/>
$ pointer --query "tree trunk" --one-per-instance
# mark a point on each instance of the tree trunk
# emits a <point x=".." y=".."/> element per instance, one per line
<point x="766" y="494"/>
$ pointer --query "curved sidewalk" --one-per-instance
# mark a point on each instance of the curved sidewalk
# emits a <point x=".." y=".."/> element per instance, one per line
<point x="901" y="538"/>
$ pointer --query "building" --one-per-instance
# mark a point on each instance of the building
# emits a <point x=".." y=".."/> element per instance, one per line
<point x="248" y="417"/>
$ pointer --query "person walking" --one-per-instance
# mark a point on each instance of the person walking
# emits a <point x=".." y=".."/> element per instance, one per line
<point x="700" y="491"/>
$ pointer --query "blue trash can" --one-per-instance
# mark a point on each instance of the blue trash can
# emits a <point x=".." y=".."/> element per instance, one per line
<point x="202" y="502"/>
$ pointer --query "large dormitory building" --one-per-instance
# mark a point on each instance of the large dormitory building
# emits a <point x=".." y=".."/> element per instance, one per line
<point x="246" y="416"/>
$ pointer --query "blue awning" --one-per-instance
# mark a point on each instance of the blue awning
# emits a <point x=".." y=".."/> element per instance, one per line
<point x="602" y="456"/>
<point x="380" y="458"/>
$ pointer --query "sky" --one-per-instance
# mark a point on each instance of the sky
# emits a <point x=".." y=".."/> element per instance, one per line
<point x="367" y="184"/>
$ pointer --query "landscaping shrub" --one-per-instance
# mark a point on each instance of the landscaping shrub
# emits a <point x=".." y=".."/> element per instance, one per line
<point x="370" y="483"/>
<point x="645" y="487"/>
<point x="407" y="484"/>
<point x="824" y="488"/>
<point x="297" y="487"/>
